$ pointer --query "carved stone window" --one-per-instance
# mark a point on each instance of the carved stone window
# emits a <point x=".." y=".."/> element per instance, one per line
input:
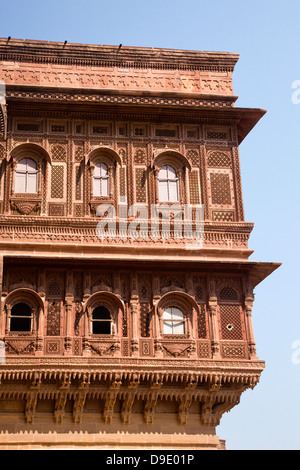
<point x="168" y="185"/>
<point x="101" y="180"/>
<point x="174" y="321"/>
<point x="102" y="164"/>
<point x="101" y="321"/>
<point x="21" y="318"/>
<point x="26" y="177"/>
<point x="171" y="172"/>
<point x="24" y="313"/>
<point x="105" y="312"/>
<point x="176" y="315"/>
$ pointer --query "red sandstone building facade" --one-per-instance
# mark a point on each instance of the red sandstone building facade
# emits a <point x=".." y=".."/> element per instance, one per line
<point x="121" y="342"/>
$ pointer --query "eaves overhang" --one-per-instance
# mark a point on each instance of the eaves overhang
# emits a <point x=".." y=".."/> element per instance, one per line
<point x="170" y="106"/>
<point x="256" y="271"/>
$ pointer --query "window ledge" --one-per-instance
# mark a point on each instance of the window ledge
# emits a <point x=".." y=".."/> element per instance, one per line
<point x="176" y="336"/>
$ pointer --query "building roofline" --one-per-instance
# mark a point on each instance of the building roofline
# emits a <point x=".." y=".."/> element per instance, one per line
<point x="64" y="52"/>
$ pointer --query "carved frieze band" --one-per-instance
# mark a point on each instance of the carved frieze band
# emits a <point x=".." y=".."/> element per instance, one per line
<point x="223" y="235"/>
<point x="118" y="99"/>
<point x="116" y="78"/>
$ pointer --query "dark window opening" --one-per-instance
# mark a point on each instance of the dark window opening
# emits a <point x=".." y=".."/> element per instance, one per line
<point x="101" y="321"/>
<point x="21" y="318"/>
<point x="28" y="127"/>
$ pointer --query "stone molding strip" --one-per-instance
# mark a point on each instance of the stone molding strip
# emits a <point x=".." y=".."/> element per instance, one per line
<point x="95" y="98"/>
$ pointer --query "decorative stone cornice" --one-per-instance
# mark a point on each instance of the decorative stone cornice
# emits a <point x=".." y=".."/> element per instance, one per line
<point x="126" y="370"/>
<point x="214" y="385"/>
<point x="119" y="56"/>
<point x="73" y="232"/>
<point x="90" y="97"/>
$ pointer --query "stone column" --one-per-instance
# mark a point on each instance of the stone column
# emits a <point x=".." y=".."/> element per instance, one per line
<point x="87" y="314"/>
<point x="40" y="177"/>
<point x="134" y="309"/>
<point x="156" y="186"/>
<point x="8" y="313"/>
<point x="249" y="328"/>
<point x="2" y="327"/>
<point x="41" y="313"/>
<point x="86" y="351"/>
<point x="249" y="300"/>
<point x="68" y="325"/>
<point x="69" y="321"/>
<point x="40" y="331"/>
<point x="213" y="320"/>
<point x="156" y="320"/>
<point x="181" y="184"/>
<point x="111" y="181"/>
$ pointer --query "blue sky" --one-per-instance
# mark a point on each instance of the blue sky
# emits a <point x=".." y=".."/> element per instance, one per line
<point x="266" y="35"/>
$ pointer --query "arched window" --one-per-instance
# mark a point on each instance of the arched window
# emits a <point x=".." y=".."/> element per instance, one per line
<point x="21" y="318"/>
<point x="101" y="321"/>
<point x="174" y="321"/>
<point x="26" y="177"/>
<point x="168" y="187"/>
<point x="101" y="180"/>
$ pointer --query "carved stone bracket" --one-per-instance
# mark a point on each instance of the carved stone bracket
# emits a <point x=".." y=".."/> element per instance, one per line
<point x="78" y="407"/>
<point x="59" y="409"/>
<point x="30" y="407"/>
<point x="183" y="409"/>
<point x="149" y="409"/>
<point x="109" y="407"/>
<point x="127" y="408"/>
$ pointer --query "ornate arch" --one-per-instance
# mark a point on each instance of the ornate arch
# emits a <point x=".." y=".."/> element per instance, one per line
<point x="178" y="298"/>
<point x="170" y="157"/>
<point x="24" y="295"/>
<point x="30" y="298"/>
<point x="184" y="302"/>
<point x="30" y="150"/>
<point x="104" y="154"/>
